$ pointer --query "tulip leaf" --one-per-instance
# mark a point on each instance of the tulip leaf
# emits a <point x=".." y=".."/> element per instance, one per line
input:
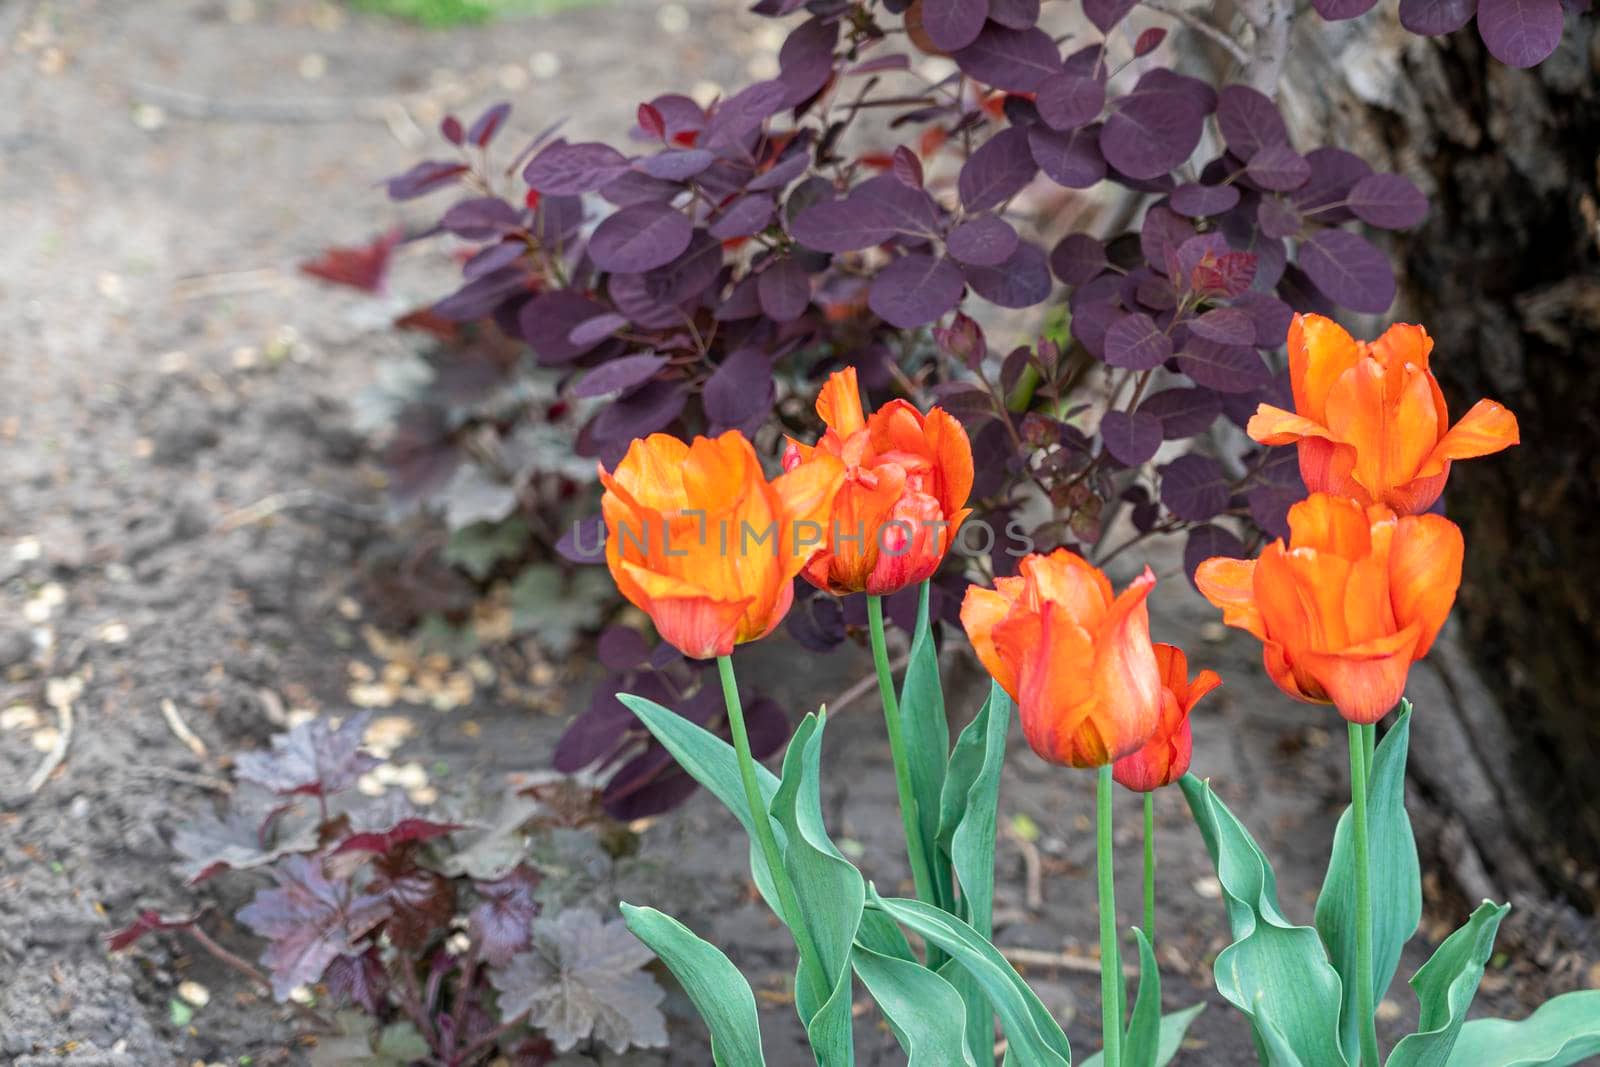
<point x="712" y="762"/>
<point x="967" y="817"/>
<point x="927" y="742"/>
<point x="924" y="1010"/>
<point x="1396" y="881"/>
<point x="1276" y="973"/>
<point x="712" y="982"/>
<point x="1144" y="1025"/>
<point x="1561" y="1032"/>
<point x="1032" y="1035"/>
<point x="1173" y="1026"/>
<point x="1445" y="986"/>
<point x="830" y="892"/>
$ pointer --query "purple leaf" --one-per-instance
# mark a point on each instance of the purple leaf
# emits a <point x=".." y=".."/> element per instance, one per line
<point x="738" y="390"/>
<point x="1198" y="201"/>
<point x="1149" y="41"/>
<point x="686" y="277"/>
<point x="1163" y="233"/>
<point x="1155" y="128"/>
<point x="619" y="375"/>
<point x="501" y="921"/>
<point x="805" y="62"/>
<point x="244" y="838"/>
<point x="486" y="125"/>
<point x="450" y="129"/>
<point x="1334" y="172"/>
<point x="1067" y="101"/>
<point x="358" y="980"/>
<point x="914" y="290"/>
<point x="308" y="922"/>
<point x="745" y="111"/>
<point x="642" y="302"/>
<point x="743" y="302"/>
<point x="1071" y="160"/>
<point x="1269" y="506"/>
<point x="1270" y="315"/>
<point x="1090" y="323"/>
<point x="583" y="543"/>
<point x="1135" y="342"/>
<point x="1279" y="168"/>
<point x="839" y="226"/>
<point x="1225" y="368"/>
<point x="894" y="61"/>
<point x="745" y="216"/>
<point x="893" y="205"/>
<point x="1435" y="17"/>
<point x="591" y="332"/>
<point x="1020" y="281"/>
<point x="1132" y="438"/>
<point x="784" y="290"/>
<point x="1183" y="412"/>
<point x="564" y="169"/>
<point x="1348" y="270"/>
<point x="1277" y="217"/>
<point x="481" y="295"/>
<point x="424" y="178"/>
<point x="1194" y="487"/>
<point x="997" y="171"/>
<point x="1208" y="542"/>
<point x="1017" y="14"/>
<point x="640" y="413"/>
<point x="621" y="648"/>
<point x="982" y="242"/>
<point x="964" y="339"/>
<point x="953" y="24"/>
<point x="676" y="166"/>
<point x="1249" y="121"/>
<point x="313" y="758"/>
<point x="1078" y="258"/>
<point x="1004" y="58"/>
<point x="1388" y="202"/>
<point x="1225" y="326"/>
<point x="402" y="832"/>
<point x="1107" y="13"/>
<point x="481" y="218"/>
<point x="907" y="167"/>
<point x="636" y="187"/>
<point x="1338" y="10"/>
<point x="782" y="173"/>
<point x="640" y="238"/>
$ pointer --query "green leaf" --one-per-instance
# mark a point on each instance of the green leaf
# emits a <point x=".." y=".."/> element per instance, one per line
<point x="1396" y="882"/>
<point x="712" y="762"/>
<point x="830" y="892"/>
<point x="715" y="985"/>
<point x="476" y="549"/>
<point x="1173" y="1026"/>
<point x="967" y="815"/>
<point x="1275" y="972"/>
<point x="1144" y="1025"/>
<point x="1563" y="1031"/>
<point x="927" y="738"/>
<point x="1032" y="1036"/>
<point x="1445" y="986"/>
<point x="924" y="1010"/>
<point x="555" y="608"/>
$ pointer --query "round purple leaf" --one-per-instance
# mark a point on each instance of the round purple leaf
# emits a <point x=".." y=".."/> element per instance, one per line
<point x="914" y="290"/>
<point x="784" y="290"/>
<point x="1194" y="487"/>
<point x="1432" y="18"/>
<point x="1225" y="326"/>
<point x="1017" y="14"/>
<point x="1135" y="342"/>
<point x="571" y="169"/>
<point x="1067" y="101"/>
<point x="1225" y="368"/>
<point x="982" y="242"/>
<point x="1338" y="10"/>
<point x="1078" y="258"/>
<point x="1279" y="168"/>
<point x="953" y="24"/>
<point x="1348" y="270"/>
<point x="618" y="375"/>
<point x="1334" y="172"/>
<point x="1072" y="160"/>
<point x="1131" y="438"/>
<point x="1208" y="542"/>
<point x="674" y="166"/>
<point x="997" y="171"/>
<point x="591" y="332"/>
<point x="1149" y="134"/>
<point x="1021" y="280"/>
<point x="1277" y="217"/>
<point x="745" y="216"/>
<point x="739" y="390"/>
<point x="1182" y="412"/>
<point x="840" y="226"/>
<point x="1015" y="60"/>
<point x="640" y="238"/>
<point x="1107" y="13"/>
<point x="1249" y="121"/>
<point x="1198" y="201"/>
<point x="547" y="322"/>
<point x="1269" y="506"/>
<point x="1388" y="202"/>
<point x="1270" y="315"/>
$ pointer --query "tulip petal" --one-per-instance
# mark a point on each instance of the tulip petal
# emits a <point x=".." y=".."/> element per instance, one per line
<point x="1127" y="680"/>
<point x="951" y="450"/>
<point x="1068" y="579"/>
<point x="1424" y="573"/>
<point x="688" y="617"/>
<point x="982" y="611"/>
<point x="1275" y="659"/>
<point x="839" y="403"/>
<point x="1393" y="425"/>
<point x="1230" y="585"/>
<point x="1366" y="680"/>
<point x="1486" y="429"/>
<point x="1055" y="658"/>
<point x="1401" y="344"/>
<point x="910" y="544"/>
<point x="719" y="470"/>
<point x="804" y="498"/>
<point x="1329" y="523"/>
<point x="652" y="471"/>
<point x="1320" y="350"/>
<point x="1275" y="426"/>
<point x="1327" y="467"/>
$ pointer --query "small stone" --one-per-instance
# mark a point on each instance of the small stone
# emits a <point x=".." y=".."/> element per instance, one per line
<point x="194" y="993"/>
<point x="19" y="717"/>
<point x="149" y="117"/>
<point x="313" y="65"/>
<point x="672" y="18"/>
<point x="1208" y="887"/>
<point x="1213" y="631"/>
<point x="1388" y="1011"/>
<point x="544" y="65"/>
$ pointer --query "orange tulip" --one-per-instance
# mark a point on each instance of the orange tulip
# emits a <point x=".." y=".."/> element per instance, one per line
<point x="1345" y="609"/>
<point x="907" y="476"/>
<point x="1165" y="757"/>
<point x="1369" y="419"/>
<point x="699" y="540"/>
<point x="1077" y="660"/>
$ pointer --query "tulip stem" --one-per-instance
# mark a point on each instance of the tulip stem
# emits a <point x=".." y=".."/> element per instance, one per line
<point x="1150" y="866"/>
<point x="761" y="823"/>
<point x="1363" y="976"/>
<point x="1369" y="743"/>
<point x="1110" y="954"/>
<point x="921" y="873"/>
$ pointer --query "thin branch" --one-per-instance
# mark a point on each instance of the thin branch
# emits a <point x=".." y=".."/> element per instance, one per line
<point x="1218" y="37"/>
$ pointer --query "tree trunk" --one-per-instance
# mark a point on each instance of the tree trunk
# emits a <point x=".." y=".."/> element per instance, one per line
<point x="1506" y="276"/>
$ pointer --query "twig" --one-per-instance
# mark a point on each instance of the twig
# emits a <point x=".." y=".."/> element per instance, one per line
<point x="227" y="283"/>
<point x="58" y="751"/>
<point x="180" y="729"/>
<point x="1222" y="39"/>
<point x="1064" y="961"/>
<point x="293" y="500"/>
<point x="861" y="687"/>
<point x="250" y="971"/>
<point x="1033" y="870"/>
<point x="192" y="105"/>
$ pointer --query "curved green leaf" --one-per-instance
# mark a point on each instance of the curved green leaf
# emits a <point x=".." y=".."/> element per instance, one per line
<point x="1032" y="1035"/>
<point x="715" y="985"/>
<point x="927" y="740"/>
<point x="1445" y="987"/>
<point x="1144" y="1025"/>
<point x="1563" y="1031"/>
<point x="1173" y="1026"/>
<point x="1396" y="881"/>
<point x="925" y="1011"/>
<point x="1275" y="972"/>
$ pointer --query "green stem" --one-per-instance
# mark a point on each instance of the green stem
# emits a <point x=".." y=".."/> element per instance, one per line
<point x="1363" y="975"/>
<point x="1369" y="743"/>
<point x="1110" y="955"/>
<point x="788" y="902"/>
<point x="1150" y="866"/>
<point x="921" y="872"/>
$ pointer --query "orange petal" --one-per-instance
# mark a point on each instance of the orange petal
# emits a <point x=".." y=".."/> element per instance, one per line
<point x="862" y="507"/>
<point x="687" y="616"/>
<point x="1424" y="574"/>
<point x="1327" y="467"/>
<point x="1419" y="494"/>
<point x="910" y="544"/>
<point x="951" y="450"/>
<point x="1054" y="659"/>
<point x="1300" y="594"/>
<point x="1403" y="343"/>
<point x="1364" y="681"/>
<point x="1068" y="580"/>
<point x="839" y="403"/>
<point x="1332" y="524"/>
<point x="982" y="610"/>
<point x="1126" y="677"/>
<point x="1275" y="426"/>
<point x="1319" y="352"/>
<point x="652" y="471"/>
<point x="1486" y="429"/>
<point x="1230" y="585"/>
<point x="1393" y="429"/>
<point x="1276" y="661"/>
<point x="804" y="498"/>
<point x="718" y="472"/>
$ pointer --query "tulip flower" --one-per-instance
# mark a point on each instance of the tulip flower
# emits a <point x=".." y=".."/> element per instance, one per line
<point x="904" y="494"/>
<point x="1165" y="757"/>
<point x="1077" y="660"/>
<point x="1343" y="610"/>
<point x="1369" y="419"/>
<point x="698" y="538"/>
